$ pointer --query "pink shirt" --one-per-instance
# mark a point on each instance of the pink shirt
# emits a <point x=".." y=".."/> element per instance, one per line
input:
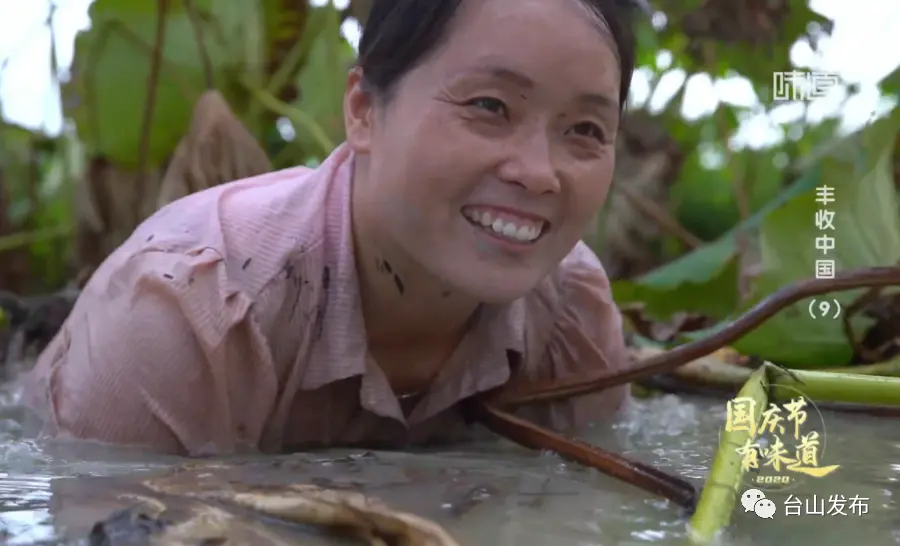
<point x="231" y="319"/>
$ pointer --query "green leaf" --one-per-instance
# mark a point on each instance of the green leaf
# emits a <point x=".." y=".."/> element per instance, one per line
<point x="323" y="78"/>
<point x="705" y="280"/>
<point x="108" y="91"/>
<point x="686" y="283"/>
<point x="16" y="154"/>
<point x="647" y="45"/>
<point x="867" y="233"/>
<point x="704" y="199"/>
<point x="891" y="83"/>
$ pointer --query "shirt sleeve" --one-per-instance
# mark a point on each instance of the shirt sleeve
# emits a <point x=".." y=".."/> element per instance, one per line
<point x="586" y="338"/>
<point x="158" y="354"/>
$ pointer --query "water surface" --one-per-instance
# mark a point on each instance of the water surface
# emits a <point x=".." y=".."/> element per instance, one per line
<point x="487" y="494"/>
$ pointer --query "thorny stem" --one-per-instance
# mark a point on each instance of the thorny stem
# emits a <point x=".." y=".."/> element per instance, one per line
<point x="295" y="58"/>
<point x="493" y="412"/>
<point x="661" y="217"/>
<point x="669" y="360"/>
<point x="209" y="78"/>
<point x="296" y="115"/>
<point x="162" y="11"/>
<point x="636" y="473"/>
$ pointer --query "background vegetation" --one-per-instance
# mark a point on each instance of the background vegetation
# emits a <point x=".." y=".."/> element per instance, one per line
<point x="167" y="97"/>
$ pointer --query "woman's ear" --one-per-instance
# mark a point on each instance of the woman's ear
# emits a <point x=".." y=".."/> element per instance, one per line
<point x="358" y="112"/>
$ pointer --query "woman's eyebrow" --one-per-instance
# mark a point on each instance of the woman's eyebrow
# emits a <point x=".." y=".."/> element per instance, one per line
<point x="499" y="72"/>
<point x="601" y="100"/>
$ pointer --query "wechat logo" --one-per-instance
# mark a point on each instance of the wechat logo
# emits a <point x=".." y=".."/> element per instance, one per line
<point x="754" y="500"/>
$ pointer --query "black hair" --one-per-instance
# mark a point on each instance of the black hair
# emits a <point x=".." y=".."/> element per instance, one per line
<point x="400" y="33"/>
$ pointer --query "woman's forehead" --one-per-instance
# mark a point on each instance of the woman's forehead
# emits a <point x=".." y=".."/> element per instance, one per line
<point x="486" y="19"/>
<point x="536" y="39"/>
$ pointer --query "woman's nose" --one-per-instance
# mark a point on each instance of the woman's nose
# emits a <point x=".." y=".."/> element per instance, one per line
<point x="531" y="165"/>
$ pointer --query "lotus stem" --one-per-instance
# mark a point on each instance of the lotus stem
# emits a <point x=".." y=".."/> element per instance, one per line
<point x="720" y="493"/>
<point x="710" y="370"/>
<point x="836" y="387"/>
<point x="887" y="368"/>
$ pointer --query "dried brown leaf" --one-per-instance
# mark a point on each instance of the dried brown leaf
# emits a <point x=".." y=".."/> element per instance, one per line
<point x="217" y="149"/>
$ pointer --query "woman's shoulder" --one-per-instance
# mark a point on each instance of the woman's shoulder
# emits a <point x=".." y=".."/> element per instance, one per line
<point x="580" y="262"/>
<point x="573" y="304"/>
<point x="576" y="329"/>
<point x="579" y="279"/>
<point x="236" y="246"/>
<point x="250" y="228"/>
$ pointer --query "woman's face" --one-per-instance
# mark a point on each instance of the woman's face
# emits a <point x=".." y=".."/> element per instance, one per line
<point x="494" y="153"/>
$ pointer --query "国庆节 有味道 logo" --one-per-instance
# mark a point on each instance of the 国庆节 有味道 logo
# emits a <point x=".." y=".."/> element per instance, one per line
<point x="785" y="442"/>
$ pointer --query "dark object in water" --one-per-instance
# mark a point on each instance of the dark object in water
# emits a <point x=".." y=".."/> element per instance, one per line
<point x="528" y="434"/>
<point x="128" y="527"/>
<point x="196" y="508"/>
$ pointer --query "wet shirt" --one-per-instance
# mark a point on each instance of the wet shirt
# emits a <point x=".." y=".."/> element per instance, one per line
<point x="231" y="319"/>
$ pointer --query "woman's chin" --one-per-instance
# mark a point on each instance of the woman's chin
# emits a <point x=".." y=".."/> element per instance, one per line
<point x="494" y="288"/>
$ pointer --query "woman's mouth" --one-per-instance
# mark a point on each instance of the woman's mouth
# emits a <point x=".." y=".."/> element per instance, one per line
<point x="506" y="224"/>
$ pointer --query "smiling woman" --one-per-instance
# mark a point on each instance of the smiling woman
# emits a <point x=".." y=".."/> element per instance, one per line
<point x="434" y="256"/>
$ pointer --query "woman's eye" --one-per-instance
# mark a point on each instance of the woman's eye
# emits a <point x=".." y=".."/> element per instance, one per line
<point x="495" y="106"/>
<point x="590" y="130"/>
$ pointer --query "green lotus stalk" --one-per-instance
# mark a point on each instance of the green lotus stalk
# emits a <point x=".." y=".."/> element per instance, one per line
<point x="849" y="388"/>
<point x="720" y="493"/>
<point x="712" y="371"/>
<point x="888" y="368"/>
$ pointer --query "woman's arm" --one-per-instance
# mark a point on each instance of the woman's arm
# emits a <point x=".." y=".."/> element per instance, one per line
<point x="586" y="336"/>
<point x="156" y="355"/>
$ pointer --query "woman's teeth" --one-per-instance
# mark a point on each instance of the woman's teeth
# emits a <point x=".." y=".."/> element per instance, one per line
<point x="521" y="231"/>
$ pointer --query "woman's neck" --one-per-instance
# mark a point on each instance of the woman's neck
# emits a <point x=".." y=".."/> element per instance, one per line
<point x="407" y="311"/>
<point x="402" y="304"/>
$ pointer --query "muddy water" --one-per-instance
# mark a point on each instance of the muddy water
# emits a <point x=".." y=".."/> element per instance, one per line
<point x="490" y="494"/>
